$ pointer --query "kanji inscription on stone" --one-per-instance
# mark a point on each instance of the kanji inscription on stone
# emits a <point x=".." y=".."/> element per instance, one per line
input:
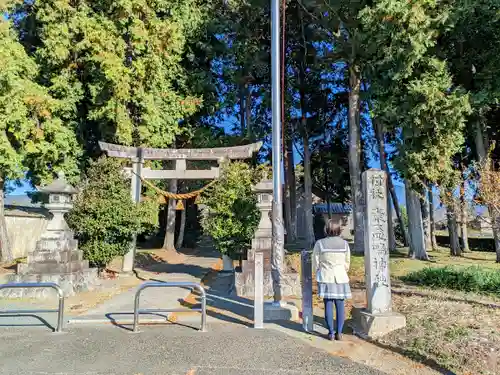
<point x="378" y="283"/>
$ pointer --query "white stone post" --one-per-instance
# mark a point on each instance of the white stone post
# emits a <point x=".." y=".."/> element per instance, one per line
<point x="378" y="318"/>
<point x="258" y="315"/>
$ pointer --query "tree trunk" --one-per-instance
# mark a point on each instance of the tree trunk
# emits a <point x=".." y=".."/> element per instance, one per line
<point x="415" y="226"/>
<point x="292" y="186"/>
<point x="308" y="191"/>
<point x="397" y="208"/>
<point x="327" y="190"/>
<point x="354" y="157"/>
<point x="426" y="220"/>
<point x="286" y="176"/>
<point x="496" y="225"/>
<point x="287" y="203"/>
<point x="379" y="134"/>
<point x="455" y="249"/>
<point x="463" y="219"/>
<point x="431" y="217"/>
<point x="480" y="142"/>
<point x="248" y="112"/>
<point x="242" y="110"/>
<point x="290" y="237"/>
<point x="390" y="226"/>
<point x="182" y="228"/>
<point x="169" y="241"/>
<point x="5" y="248"/>
<point x="305" y="136"/>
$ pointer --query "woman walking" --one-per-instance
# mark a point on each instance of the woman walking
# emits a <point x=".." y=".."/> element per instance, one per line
<point x="331" y="260"/>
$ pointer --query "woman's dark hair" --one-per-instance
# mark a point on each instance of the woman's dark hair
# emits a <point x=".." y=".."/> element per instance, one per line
<point x="332" y="228"/>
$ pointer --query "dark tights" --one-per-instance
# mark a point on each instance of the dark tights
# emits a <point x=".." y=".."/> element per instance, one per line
<point x="339" y="308"/>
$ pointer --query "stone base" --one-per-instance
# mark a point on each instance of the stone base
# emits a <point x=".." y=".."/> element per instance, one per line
<point x="283" y="311"/>
<point x="70" y="283"/>
<point x="376" y="325"/>
<point x="245" y="285"/>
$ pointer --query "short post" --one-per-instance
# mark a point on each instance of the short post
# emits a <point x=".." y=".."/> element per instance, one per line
<point x="258" y="317"/>
<point x="60" y="312"/>
<point x="306" y="281"/>
<point x="203" y="327"/>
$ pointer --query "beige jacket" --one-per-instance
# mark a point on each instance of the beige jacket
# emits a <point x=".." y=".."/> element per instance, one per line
<point x="331" y="260"/>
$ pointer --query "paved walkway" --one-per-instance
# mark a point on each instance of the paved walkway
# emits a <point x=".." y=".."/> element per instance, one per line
<point x="228" y="348"/>
<point x="120" y="308"/>
<point x="166" y="350"/>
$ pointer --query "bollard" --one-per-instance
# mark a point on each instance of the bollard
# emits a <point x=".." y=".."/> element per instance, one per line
<point x="306" y="282"/>
<point x="258" y="314"/>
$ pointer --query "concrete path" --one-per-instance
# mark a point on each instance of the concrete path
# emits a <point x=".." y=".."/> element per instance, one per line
<point x="163" y="350"/>
<point x="120" y="308"/>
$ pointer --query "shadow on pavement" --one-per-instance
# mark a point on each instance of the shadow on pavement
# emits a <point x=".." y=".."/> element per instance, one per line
<point x="151" y="263"/>
<point x="223" y="304"/>
<point x="42" y="322"/>
<point x="115" y="320"/>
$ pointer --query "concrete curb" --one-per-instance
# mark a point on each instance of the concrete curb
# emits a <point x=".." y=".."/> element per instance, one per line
<point x="167" y="318"/>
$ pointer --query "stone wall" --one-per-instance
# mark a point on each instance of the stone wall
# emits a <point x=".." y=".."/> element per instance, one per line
<point x="25" y="226"/>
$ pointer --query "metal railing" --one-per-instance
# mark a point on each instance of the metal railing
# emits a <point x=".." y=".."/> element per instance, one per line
<point x="147" y="285"/>
<point x="60" y="309"/>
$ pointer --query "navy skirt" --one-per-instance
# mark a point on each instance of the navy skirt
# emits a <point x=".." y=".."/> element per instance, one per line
<point x="334" y="290"/>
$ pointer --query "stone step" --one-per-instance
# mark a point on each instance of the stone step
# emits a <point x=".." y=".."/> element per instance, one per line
<point x="57" y="257"/>
<point x="55" y="244"/>
<point x="70" y="283"/>
<point x="54" y="267"/>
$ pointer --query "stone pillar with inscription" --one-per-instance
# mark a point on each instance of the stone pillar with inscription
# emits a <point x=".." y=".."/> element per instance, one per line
<point x="378" y="318"/>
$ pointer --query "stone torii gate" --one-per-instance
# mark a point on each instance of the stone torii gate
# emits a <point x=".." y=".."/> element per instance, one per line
<point x="137" y="156"/>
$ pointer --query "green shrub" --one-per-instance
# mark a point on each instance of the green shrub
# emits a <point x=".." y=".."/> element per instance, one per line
<point x="234" y="215"/>
<point x="104" y="217"/>
<point x="470" y="279"/>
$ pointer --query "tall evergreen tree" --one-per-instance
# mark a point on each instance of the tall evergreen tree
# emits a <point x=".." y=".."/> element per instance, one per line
<point x="413" y="91"/>
<point x="471" y="48"/>
<point x="115" y="65"/>
<point x="34" y="141"/>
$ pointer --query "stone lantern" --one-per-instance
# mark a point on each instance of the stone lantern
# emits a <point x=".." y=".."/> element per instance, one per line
<point x="60" y="201"/>
<point x="56" y="257"/>
<point x="262" y="242"/>
<point x="264" y="191"/>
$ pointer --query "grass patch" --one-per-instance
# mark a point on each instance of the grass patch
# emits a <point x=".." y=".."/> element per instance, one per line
<point x="460" y="337"/>
<point x="401" y="265"/>
<point x="470" y="279"/>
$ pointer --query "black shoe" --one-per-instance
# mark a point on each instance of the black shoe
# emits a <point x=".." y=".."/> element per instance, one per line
<point x="330" y="337"/>
<point x="338" y="336"/>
